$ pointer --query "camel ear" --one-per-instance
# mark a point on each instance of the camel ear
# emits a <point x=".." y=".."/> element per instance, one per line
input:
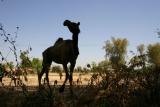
<point x="78" y="23"/>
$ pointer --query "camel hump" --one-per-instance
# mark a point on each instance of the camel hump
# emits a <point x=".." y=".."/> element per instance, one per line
<point x="58" y="40"/>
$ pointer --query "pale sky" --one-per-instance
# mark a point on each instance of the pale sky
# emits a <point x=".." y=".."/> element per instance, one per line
<point x="41" y="23"/>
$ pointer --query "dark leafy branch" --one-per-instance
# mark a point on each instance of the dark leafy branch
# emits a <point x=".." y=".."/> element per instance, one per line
<point x="11" y="41"/>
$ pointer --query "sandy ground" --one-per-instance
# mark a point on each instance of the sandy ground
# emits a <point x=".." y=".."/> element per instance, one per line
<point x="33" y="79"/>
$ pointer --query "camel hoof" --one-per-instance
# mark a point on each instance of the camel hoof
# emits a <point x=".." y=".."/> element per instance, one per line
<point x="61" y="89"/>
<point x="71" y="91"/>
<point x="41" y="87"/>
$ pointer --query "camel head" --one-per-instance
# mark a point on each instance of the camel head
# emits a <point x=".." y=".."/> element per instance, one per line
<point x="73" y="27"/>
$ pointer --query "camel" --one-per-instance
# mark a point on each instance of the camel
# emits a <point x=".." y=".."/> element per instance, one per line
<point x="62" y="52"/>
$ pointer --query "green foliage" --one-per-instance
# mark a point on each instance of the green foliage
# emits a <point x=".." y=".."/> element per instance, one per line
<point x="9" y="65"/>
<point x="25" y="61"/>
<point x="116" y="50"/>
<point x="104" y="64"/>
<point x="154" y="54"/>
<point x="36" y="64"/>
<point x="56" y="69"/>
<point x="141" y="49"/>
<point x="79" y="69"/>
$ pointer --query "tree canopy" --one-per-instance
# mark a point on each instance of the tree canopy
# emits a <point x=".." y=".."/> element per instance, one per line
<point x="116" y="50"/>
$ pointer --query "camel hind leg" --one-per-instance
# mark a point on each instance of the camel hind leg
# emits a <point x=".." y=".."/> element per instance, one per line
<point x="66" y="78"/>
<point x="45" y="69"/>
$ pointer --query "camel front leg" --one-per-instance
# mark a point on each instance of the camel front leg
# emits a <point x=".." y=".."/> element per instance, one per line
<point x="71" y="75"/>
<point x="45" y="69"/>
<point x="40" y="76"/>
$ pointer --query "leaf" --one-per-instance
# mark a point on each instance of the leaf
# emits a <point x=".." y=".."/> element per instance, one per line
<point x="88" y="65"/>
<point x="30" y="49"/>
<point x="158" y="33"/>
<point x="13" y="41"/>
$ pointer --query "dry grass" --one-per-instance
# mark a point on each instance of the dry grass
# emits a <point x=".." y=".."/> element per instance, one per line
<point x="110" y="92"/>
<point x="11" y="96"/>
<point x="33" y="79"/>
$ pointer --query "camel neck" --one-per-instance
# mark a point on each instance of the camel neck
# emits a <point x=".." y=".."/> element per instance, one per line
<point x="75" y="44"/>
<point x="75" y="40"/>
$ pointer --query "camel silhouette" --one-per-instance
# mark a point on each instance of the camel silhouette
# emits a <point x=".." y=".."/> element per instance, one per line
<point x="62" y="52"/>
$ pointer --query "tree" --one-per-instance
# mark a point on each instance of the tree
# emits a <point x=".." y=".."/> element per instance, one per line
<point x="36" y="64"/>
<point x="141" y="49"/>
<point x="140" y="59"/>
<point x="116" y="50"/>
<point x="11" y="41"/>
<point x="56" y="69"/>
<point x="10" y="65"/>
<point x="154" y="54"/>
<point x="104" y="64"/>
<point x="78" y="69"/>
<point x="25" y="61"/>
<point x="158" y="33"/>
<point x="154" y="76"/>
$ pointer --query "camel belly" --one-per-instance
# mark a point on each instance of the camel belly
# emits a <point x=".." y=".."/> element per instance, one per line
<point x="61" y="60"/>
<point x="60" y="54"/>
